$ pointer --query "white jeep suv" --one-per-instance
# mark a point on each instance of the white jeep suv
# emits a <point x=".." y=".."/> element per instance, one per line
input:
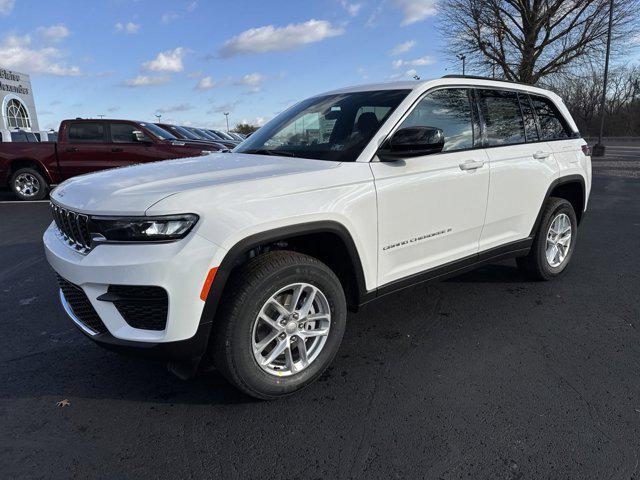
<point x="251" y="259"/>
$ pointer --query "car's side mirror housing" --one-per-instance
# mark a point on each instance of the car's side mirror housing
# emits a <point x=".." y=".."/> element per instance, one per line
<point x="140" y="137"/>
<point x="412" y="142"/>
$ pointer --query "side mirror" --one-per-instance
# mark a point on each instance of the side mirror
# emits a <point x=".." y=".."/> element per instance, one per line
<point x="412" y="142"/>
<point x="139" y="136"/>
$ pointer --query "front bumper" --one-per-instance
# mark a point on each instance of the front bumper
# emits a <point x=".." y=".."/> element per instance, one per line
<point x="179" y="267"/>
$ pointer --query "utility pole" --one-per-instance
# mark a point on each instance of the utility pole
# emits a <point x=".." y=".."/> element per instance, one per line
<point x="226" y="116"/>
<point x="598" y="148"/>
<point x="101" y="116"/>
<point x="462" y="57"/>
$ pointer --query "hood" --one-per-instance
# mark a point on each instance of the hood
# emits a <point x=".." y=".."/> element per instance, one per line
<point x="132" y="190"/>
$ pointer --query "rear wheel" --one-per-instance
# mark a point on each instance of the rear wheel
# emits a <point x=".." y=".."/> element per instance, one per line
<point x="28" y="184"/>
<point x="281" y="325"/>
<point x="554" y="242"/>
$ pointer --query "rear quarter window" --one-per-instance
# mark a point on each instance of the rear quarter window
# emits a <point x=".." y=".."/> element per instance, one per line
<point x="552" y="124"/>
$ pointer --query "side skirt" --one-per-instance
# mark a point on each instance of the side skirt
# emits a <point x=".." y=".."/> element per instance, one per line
<point x="510" y="250"/>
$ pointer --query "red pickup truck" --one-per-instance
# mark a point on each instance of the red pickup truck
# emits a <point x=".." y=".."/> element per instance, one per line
<point x="86" y="146"/>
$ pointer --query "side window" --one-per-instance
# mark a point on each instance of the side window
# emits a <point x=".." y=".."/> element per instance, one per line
<point x="448" y="110"/>
<point x="530" y="126"/>
<point x="86" y="132"/>
<point x="19" y="137"/>
<point x="502" y="117"/>
<point x="552" y="125"/>
<point x="123" y="133"/>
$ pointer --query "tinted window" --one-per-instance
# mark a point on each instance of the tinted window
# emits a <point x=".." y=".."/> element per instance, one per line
<point x="123" y="133"/>
<point x="86" y="132"/>
<point x="158" y="132"/>
<point x="333" y="127"/>
<point x="552" y="125"/>
<point x="448" y="110"/>
<point x="19" y="137"/>
<point x="502" y="116"/>
<point x="530" y="127"/>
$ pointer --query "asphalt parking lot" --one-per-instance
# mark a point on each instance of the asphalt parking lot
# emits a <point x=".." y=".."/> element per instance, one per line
<point x="486" y="375"/>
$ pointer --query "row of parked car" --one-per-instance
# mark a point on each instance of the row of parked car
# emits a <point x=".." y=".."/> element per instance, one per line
<point x="30" y="163"/>
<point x="18" y="135"/>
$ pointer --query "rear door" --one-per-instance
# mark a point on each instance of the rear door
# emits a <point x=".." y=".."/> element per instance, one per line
<point x="431" y="208"/>
<point x="522" y="166"/>
<point x="85" y="149"/>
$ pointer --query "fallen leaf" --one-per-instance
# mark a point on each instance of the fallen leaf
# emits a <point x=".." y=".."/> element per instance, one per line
<point x="63" y="403"/>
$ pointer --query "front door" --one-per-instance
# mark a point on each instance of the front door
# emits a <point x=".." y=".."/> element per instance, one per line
<point x="431" y="208"/>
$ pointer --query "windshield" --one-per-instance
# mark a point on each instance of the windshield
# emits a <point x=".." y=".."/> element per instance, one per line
<point x="185" y="133"/>
<point x="226" y="136"/>
<point x="159" y="132"/>
<point x="330" y="127"/>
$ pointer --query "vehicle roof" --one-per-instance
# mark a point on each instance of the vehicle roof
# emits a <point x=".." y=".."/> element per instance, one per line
<point x="446" y="80"/>
<point x="104" y="120"/>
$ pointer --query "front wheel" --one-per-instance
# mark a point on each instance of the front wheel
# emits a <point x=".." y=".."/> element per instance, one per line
<point x="554" y="242"/>
<point x="28" y="184"/>
<point x="281" y="325"/>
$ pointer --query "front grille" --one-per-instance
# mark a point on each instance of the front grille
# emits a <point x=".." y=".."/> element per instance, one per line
<point x="143" y="307"/>
<point x="81" y="306"/>
<point x="73" y="227"/>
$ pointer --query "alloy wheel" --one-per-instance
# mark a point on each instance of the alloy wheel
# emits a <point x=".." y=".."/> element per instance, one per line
<point x="291" y="329"/>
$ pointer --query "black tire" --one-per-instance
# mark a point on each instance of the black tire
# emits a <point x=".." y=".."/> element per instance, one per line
<point x="40" y="184"/>
<point x="248" y="290"/>
<point x="535" y="264"/>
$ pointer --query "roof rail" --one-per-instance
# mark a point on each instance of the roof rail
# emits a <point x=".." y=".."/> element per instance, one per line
<point x="477" y="77"/>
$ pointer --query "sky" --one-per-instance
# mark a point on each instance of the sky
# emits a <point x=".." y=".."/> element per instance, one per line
<point x="192" y="60"/>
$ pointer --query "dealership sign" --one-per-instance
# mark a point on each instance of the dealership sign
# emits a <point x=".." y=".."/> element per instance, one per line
<point x="11" y="77"/>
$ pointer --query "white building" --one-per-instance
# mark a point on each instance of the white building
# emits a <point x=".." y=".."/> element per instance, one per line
<point x="18" y="109"/>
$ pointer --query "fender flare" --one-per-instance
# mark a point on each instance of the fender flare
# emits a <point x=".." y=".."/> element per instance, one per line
<point x="234" y="253"/>
<point x="556" y="183"/>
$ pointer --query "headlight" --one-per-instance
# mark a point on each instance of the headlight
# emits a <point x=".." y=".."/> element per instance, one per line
<point x="206" y="152"/>
<point x="141" y="229"/>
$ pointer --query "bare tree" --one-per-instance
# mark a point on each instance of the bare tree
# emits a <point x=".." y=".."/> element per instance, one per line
<point x="581" y="90"/>
<point x="527" y="40"/>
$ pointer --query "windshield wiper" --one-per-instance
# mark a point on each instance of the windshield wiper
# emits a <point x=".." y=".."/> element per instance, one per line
<point x="270" y="151"/>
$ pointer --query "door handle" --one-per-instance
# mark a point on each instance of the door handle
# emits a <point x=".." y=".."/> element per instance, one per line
<point x="71" y="149"/>
<point x="117" y="150"/>
<point x="471" y="165"/>
<point x="541" y="155"/>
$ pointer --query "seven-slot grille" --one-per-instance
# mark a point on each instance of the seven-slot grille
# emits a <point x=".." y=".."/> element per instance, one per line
<point x="73" y="227"/>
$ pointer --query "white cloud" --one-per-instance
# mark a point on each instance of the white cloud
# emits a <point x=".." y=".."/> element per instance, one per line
<point x="113" y="109"/>
<point x="402" y="48"/>
<point x="54" y="33"/>
<point x="206" y="83"/>
<point x="167" y="61"/>
<point x="129" y="28"/>
<point x="145" y="81"/>
<point x="418" y="62"/>
<point x="227" y="107"/>
<point x="6" y="6"/>
<point x="168" y="17"/>
<point x="272" y="39"/>
<point x="181" y="107"/>
<point x="415" y="10"/>
<point x="351" y="8"/>
<point x="251" y="79"/>
<point x="17" y="53"/>
<point x="411" y="73"/>
<point x="191" y="6"/>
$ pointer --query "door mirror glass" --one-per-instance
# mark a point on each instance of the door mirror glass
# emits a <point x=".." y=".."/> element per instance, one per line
<point x="412" y="142"/>
<point x="139" y="136"/>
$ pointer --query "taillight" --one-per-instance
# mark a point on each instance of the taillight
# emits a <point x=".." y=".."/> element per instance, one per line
<point x="586" y="149"/>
